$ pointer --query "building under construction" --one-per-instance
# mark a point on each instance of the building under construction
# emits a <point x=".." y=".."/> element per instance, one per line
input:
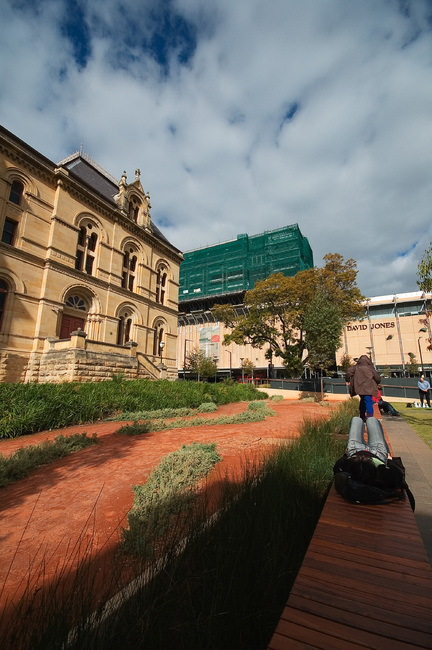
<point x="222" y="273"/>
<point x="226" y="270"/>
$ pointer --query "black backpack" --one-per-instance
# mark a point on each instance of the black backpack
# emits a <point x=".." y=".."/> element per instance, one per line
<point x="355" y="491"/>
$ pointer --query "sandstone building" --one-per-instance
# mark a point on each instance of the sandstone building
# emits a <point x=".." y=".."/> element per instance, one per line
<point x="88" y="283"/>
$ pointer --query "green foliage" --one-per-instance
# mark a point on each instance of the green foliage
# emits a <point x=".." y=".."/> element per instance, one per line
<point x="136" y="429"/>
<point x="19" y="464"/>
<point x="168" y="492"/>
<point x="345" y="363"/>
<point x="424" y="271"/>
<point x="248" y="367"/>
<point x="277" y="398"/>
<point x="153" y="415"/>
<point x="223" y="584"/>
<point x="162" y="425"/>
<point x="412" y="365"/>
<point x="28" y="408"/>
<point x="257" y="406"/>
<point x="200" y="364"/>
<point x="207" y="407"/>
<point x="419" y="419"/>
<point x="323" y="327"/>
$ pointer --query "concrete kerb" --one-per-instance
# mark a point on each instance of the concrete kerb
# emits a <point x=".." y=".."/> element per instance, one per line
<point x="417" y="457"/>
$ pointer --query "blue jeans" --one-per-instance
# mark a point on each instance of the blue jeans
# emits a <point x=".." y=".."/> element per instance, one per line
<point x="376" y="443"/>
<point x="366" y="406"/>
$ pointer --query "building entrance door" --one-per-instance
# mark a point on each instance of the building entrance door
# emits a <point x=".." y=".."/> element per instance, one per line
<point x="70" y="324"/>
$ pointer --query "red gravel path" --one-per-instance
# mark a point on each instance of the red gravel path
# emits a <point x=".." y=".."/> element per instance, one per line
<point x="87" y="495"/>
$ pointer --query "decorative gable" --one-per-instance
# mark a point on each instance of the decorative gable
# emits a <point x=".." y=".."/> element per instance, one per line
<point x="133" y="201"/>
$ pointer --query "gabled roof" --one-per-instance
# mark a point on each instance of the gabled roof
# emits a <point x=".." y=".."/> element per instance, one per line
<point x="87" y="171"/>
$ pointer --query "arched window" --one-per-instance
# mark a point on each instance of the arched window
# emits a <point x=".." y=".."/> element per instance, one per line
<point x="124" y="328"/>
<point x="86" y="249"/>
<point x="129" y="269"/>
<point x="161" y="281"/>
<point x="134" y="206"/>
<point x="157" y="340"/>
<point x="3" y="297"/>
<point x="16" y="192"/>
<point x="74" y="316"/>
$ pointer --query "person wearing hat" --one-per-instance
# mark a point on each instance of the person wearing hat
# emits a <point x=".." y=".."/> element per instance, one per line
<point x="363" y="381"/>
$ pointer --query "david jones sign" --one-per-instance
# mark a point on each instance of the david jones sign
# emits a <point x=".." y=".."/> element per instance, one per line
<point x="374" y="326"/>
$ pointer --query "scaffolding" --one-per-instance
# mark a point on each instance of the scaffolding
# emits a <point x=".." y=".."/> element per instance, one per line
<point x="235" y="266"/>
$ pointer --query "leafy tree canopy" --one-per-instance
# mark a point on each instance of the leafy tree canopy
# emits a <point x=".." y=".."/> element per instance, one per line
<point x="199" y="363"/>
<point x="276" y="308"/>
<point x="323" y="326"/>
<point x="424" y="271"/>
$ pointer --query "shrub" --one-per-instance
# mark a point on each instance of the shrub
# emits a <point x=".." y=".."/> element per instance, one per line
<point x="257" y="406"/>
<point x="19" y="464"/>
<point x="277" y="398"/>
<point x="135" y="429"/>
<point x="28" y="408"/>
<point x="168" y="493"/>
<point x="207" y="407"/>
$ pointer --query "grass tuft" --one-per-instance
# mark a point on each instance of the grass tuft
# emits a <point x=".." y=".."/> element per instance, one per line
<point x="19" y="464"/>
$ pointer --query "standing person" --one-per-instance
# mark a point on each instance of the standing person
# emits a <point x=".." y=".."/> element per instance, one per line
<point x="424" y="387"/>
<point x="363" y="381"/>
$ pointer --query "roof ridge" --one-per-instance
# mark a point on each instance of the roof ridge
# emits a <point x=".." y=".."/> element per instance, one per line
<point x="84" y="156"/>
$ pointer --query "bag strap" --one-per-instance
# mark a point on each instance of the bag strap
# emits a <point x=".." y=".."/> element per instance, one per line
<point x="409" y="495"/>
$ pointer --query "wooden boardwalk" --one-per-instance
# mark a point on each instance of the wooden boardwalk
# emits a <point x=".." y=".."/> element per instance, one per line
<point x="365" y="582"/>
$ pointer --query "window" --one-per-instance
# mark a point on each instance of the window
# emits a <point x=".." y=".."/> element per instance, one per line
<point x="124" y="329"/>
<point x="3" y="296"/>
<point x="134" y="207"/>
<point x="86" y="249"/>
<point x="76" y="303"/>
<point x="157" y="340"/>
<point x="16" y="192"/>
<point x="129" y="269"/>
<point x="161" y="279"/>
<point x="9" y="230"/>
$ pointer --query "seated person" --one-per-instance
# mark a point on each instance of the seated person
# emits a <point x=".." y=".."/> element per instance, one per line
<point x="384" y="407"/>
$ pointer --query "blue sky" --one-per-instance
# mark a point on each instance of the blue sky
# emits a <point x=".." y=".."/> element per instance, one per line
<point x="242" y="116"/>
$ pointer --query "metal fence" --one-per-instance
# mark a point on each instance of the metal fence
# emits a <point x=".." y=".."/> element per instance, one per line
<point x="406" y="388"/>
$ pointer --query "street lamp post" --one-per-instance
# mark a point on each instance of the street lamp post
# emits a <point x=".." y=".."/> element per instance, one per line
<point x="184" y="357"/>
<point x="228" y="352"/>
<point x="242" y="367"/>
<point x="161" y="347"/>
<point x="422" y="329"/>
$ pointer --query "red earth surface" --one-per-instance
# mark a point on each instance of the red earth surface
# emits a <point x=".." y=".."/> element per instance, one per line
<point x="83" y="500"/>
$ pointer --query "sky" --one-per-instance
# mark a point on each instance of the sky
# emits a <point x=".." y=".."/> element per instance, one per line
<point x="242" y="115"/>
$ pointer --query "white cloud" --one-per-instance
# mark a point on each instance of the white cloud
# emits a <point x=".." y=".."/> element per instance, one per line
<point x="352" y="167"/>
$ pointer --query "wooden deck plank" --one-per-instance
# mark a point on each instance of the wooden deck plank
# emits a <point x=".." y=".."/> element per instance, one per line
<point x="365" y="582"/>
<point x="341" y="596"/>
<point x="322" y="633"/>
<point x="370" y="620"/>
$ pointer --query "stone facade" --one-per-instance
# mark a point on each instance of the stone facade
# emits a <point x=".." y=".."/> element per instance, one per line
<point x="80" y="252"/>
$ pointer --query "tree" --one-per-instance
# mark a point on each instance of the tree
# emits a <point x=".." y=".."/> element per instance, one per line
<point x="248" y="367"/>
<point x="345" y="363"/>
<point x="276" y="308"/>
<point x="412" y="365"/>
<point x="323" y="326"/>
<point x="424" y="271"/>
<point x="198" y="363"/>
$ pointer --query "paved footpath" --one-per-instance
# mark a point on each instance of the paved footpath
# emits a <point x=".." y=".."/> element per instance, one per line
<point x="417" y="458"/>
